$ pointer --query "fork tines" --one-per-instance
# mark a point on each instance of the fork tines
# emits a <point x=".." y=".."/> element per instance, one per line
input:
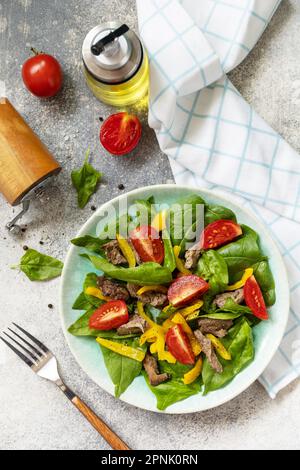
<point x="33" y="352"/>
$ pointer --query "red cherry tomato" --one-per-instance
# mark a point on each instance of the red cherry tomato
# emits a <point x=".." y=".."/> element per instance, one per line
<point x="185" y="289"/>
<point x="42" y="75"/>
<point x="254" y="299"/>
<point x="121" y="133"/>
<point x="219" y="233"/>
<point x="179" y="345"/>
<point x="109" y="316"/>
<point x="148" y="244"/>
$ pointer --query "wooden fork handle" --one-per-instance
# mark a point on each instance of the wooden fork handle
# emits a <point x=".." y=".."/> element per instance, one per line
<point x="111" y="438"/>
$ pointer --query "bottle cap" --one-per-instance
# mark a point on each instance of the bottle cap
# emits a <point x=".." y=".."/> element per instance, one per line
<point x="112" y="53"/>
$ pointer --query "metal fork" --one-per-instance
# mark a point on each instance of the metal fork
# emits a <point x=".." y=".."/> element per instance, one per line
<point x="41" y="361"/>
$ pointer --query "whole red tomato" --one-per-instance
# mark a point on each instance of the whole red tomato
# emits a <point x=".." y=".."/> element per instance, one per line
<point x="42" y="75"/>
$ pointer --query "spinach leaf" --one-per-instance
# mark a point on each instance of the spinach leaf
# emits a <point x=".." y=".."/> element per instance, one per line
<point x="173" y="390"/>
<point x="222" y="315"/>
<point x="90" y="243"/>
<point x="213" y="213"/>
<point x="146" y="273"/>
<point x="164" y="315"/>
<point x="152" y="312"/>
<point x="213" y="268"/>
<point x="122" y="370"/>
<point x="233" y="307"/>
<point x="145" y="208"/>
<point x="183" y="211"/>
<point x="239" y="342"/>
<point x="81" y="303"/>
<point x="119" y="225"/>
<point x="169" y="261"/>
<point x="85" y="301"/>
<point x="39" y="267"/>
<point x="242" y="253"/>
<point x="81" y="328"/>
<point x="85" y="181"/>
<point x="265" y="279"/>
<point x="91" y="281"/>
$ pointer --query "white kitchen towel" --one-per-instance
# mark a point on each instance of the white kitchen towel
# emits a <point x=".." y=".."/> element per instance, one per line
<point x="214" y="139"/>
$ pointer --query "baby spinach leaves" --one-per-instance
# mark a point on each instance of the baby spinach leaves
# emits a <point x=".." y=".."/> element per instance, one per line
<point x="239" y="342"/>
<point x="213" y="213"/>
<point x="122" y="370"/>
<point x="174" y="390"/>
<point x="85" y="181"/>
<point x="146" y="273"/>
<point x="213" y="268"/>
<point x="90" y="243"/>
<point x="39" y="267"/>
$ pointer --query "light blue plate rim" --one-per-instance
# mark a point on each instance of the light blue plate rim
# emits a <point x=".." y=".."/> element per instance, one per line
<point x="89" y="357"/>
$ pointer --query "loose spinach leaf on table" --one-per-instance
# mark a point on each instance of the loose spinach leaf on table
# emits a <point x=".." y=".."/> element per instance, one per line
<point x="173" y="390"/>
<point x="239" y="342"/>
<point x="81" y="328"/>
<point x="90" y="243"/>
<point x="213" y="213"/>
<point x="213" y="268"/>
<point x="242" y="253"/>
<point x="146" y="273"/>
<point x="85" y="181"/>
<point x="122" y="370"/>
<point x="39" y="267"/>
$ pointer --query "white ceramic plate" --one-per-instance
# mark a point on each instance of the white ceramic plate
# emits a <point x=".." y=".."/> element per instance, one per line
<point x="267" y="335"/>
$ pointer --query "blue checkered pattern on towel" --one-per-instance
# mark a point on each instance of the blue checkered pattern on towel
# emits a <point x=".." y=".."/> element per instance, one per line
<point x="214" y="139"/>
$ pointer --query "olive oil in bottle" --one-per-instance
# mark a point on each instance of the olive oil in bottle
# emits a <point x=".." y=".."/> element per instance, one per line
<point x="116" y="66"/>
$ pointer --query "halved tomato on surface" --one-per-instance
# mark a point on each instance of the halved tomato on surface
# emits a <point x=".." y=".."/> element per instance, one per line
<point x="179" y="345"/>
<point x="185" y="289"/>
<point x="254" y="299"/>
<point x="148" y="244"/>
<point x="219" y="233"/>
<point x="109" y="316"/>
<point x="120" y="133"/>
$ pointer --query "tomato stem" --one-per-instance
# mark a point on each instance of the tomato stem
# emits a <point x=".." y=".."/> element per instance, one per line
<point x="35" y="51"/>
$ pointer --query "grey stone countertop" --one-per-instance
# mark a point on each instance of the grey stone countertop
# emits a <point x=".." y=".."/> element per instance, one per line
<point x="33" y="413"/>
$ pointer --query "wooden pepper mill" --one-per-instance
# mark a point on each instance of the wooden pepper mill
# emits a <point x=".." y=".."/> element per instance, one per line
<point x="26" y="165"/>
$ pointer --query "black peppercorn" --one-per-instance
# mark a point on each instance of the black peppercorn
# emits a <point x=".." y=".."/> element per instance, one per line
<point x="121" y="187"/>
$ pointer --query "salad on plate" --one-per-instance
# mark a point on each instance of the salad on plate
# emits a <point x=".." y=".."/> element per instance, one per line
<point x="174" y="302"/>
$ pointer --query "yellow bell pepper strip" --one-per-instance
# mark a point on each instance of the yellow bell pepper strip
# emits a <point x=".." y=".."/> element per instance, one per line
<point x="220" y="348"/>
<point x="141" y="312"/>
<point x="178" y="319"/>
<point x="194" y="373"/>
<point x="160" y="221"/>
<point x="127" y="251"/>
<point x="248" y="273"/>
<point x="94" y="292"/>
<point x="150" y="335"/>
<point x="127" y="351"/>
<point x="191" y="309"/>
<point x="193" y="316"/>
<point x="144" y="289"/>
<point x="179" y="263"/>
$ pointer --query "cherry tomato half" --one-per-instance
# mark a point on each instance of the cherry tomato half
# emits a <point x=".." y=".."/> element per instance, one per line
<point x="185" y="289"/>
<point x="121" y="133"/>
<point x="254" y="299"/>
<point x="148" y="244"/>
<point x="179" y="345"/>
<point x="42" y="75"/>
<point x="109" y="316"/>
<point x="219" y="233"/>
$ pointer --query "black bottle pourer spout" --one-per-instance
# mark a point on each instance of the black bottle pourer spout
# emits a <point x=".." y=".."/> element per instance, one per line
<point x="99" y="47"/>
